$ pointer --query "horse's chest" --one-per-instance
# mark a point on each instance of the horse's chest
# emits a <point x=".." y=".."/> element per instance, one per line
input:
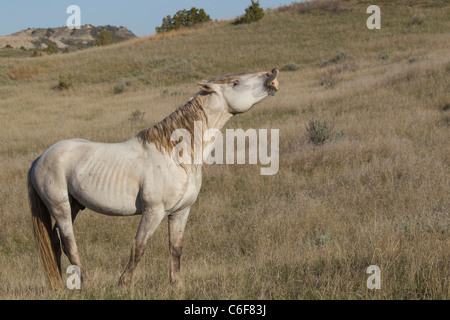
<point x="188" y="193"/>
<point x="193" y="189"/>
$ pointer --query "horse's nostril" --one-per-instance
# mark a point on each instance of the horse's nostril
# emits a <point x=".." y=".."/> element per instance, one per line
<point x="275" y="84"/>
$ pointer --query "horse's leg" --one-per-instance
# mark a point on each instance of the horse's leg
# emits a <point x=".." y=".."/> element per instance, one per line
<point x="64" y="227"/>
<point x="151" y="218"/>
<point x="177" y="223"/>
<point x="76" y="207"/>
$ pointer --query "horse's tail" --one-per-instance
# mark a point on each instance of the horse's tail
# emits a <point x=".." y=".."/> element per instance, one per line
<point x="42" y="227"/>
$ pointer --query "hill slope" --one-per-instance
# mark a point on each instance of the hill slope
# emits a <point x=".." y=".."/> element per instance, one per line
<point x="374" y="193"/>
<point x="63" y="37"/>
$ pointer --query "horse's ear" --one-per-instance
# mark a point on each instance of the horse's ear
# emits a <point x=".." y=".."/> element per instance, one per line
<point x="206" y="86"/>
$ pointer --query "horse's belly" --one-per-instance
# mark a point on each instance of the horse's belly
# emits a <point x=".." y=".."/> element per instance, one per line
<point x="109" y="204"/>
<point x="107" y="201"/>
<point x="111" y="190"/>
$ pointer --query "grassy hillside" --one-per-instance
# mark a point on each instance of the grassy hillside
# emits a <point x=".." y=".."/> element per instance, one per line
<point x="375" y="193"/>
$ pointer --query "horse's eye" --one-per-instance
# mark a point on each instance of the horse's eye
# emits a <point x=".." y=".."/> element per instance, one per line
<point x="235" y="83"/>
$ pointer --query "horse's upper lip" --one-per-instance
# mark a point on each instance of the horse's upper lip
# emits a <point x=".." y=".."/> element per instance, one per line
<point x="272" y="81"/>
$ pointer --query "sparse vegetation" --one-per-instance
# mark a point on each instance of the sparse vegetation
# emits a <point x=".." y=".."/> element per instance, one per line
<point x="111" y="33"/>
<point x="339" y="64"/>
<point x="51" y="40"/>
<point x="333" y="6"/>
<point x="136" y="116"/>
<point x="375" y="196"/>
<point x="36" y="53"/>
<point x="417" y="59"/>
<point x="121" y="86"/>
<point x="329" y="79"/>
<point x="340" y="57"/>
<point x="384" y="55"/>
<point x="445" y="107"/>
<point x="417" y="20"/>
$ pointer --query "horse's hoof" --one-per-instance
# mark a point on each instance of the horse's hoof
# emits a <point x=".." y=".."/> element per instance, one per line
<point x="124" y="281"/>
<point x="177" y="285"/>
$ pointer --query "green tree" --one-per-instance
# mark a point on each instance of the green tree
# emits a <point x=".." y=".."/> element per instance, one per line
<point x="51" y="48"/>
<point x="183" y="18"/>
<point x="253" y="13"/>
<point x="105" y="38"/>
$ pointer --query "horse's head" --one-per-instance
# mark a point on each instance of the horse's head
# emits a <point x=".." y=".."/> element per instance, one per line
<point x="240" y="92"/>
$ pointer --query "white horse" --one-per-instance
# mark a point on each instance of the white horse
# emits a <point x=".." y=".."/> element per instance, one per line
<point x="138" y="176"/>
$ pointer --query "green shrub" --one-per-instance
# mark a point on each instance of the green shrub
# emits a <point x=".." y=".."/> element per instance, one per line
<point x="384" y="55"/>
<point x="253" y="13"/>
<point x="36" y="53"/>
<point x="418" y="59"/>
<point x="64" y="82"/>
<point x="8" y="46"/>
<point x="51" y="48"/>
<point x="341" y="56"/>
<point x="183" y="18"/>
<point x="105" y="38"/>
<point x="445" y="107"/>
<point x="121" y="86"/>
<point x="322" y="239"/>
<point x="136" y="115"/>
<point x="417" y="20"/>
<point x="318" y="131"/>
<point x="292" y="66"/>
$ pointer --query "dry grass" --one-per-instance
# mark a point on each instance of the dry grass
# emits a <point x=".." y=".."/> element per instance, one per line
<point x="377" y="195"/>
<point x="333" y="6"/>
<point x="24" y="73"/>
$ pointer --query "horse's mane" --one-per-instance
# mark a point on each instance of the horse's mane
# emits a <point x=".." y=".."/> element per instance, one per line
<point x="183" y="117"/>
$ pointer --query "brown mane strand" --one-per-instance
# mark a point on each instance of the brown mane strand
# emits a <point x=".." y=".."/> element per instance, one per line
<point x="183" y="117"/>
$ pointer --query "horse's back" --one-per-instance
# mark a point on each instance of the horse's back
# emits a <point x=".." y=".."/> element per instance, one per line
<point x="62" y="157"/>
<point x="55" y="161"/>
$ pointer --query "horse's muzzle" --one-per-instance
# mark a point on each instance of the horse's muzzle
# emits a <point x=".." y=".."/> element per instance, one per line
<point x="271" y="83"/>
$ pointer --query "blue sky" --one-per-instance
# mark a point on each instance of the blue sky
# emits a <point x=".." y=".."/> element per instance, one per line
<point x="140" y="16"/>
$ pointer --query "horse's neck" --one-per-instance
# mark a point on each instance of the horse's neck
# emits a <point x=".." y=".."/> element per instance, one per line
<point x="219" y="120"/>
<point x="200" y="113"/>
<point x="217" y="116"/>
